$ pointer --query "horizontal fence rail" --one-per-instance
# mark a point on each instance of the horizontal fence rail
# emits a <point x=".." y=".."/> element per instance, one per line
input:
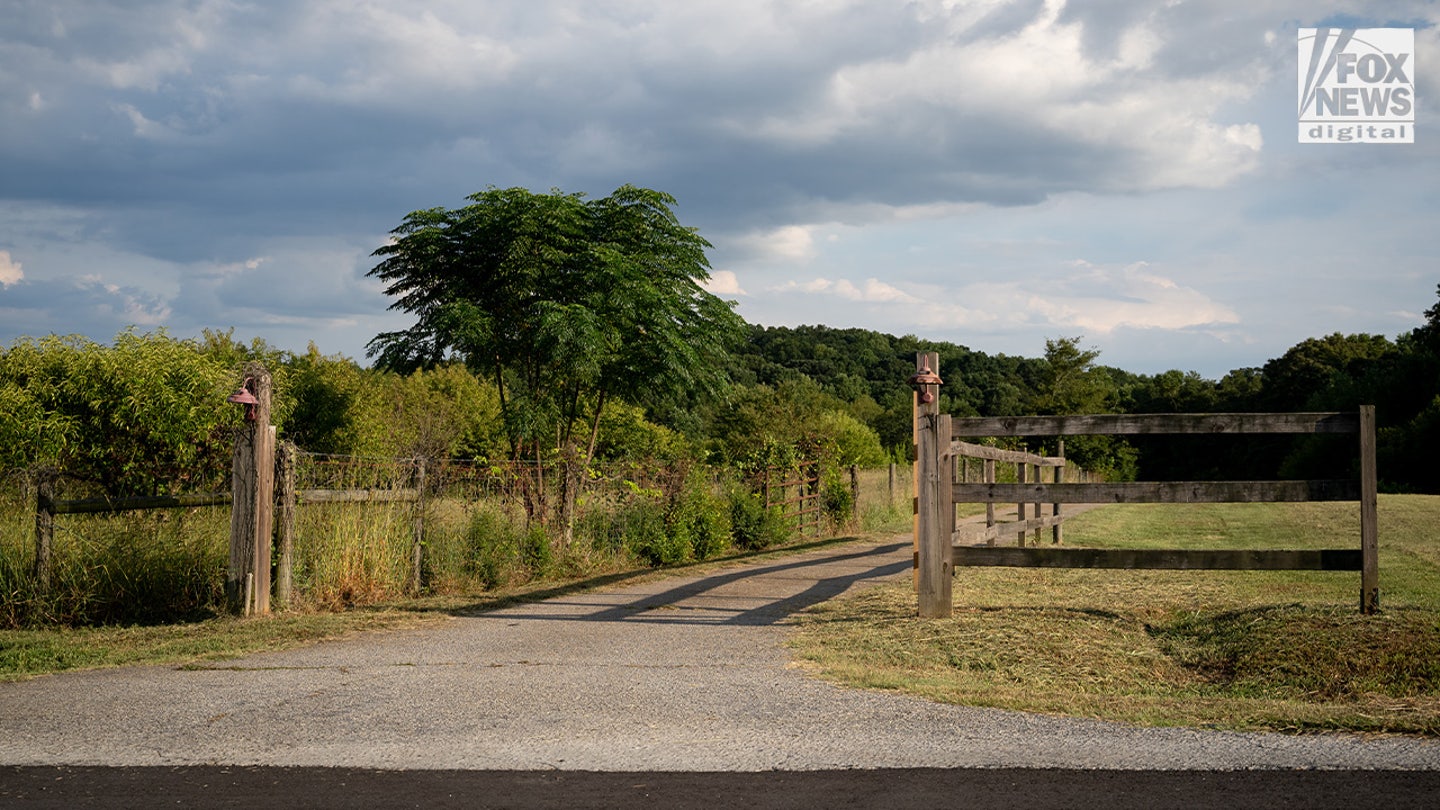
<point x="1152" y="559"/>
<point x="1135" y="424"/>
<point x="90" y="506"/>
<point x="1161" y="492"/>
<point x="986" y="452"/>
<point x="357" y="495"/>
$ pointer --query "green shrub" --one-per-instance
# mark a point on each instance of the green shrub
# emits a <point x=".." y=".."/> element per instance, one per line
<point x="648" y="538"/>
<point x="493" y="554"/>
<point x="753" y="526"/>
<point x="535" y="551"/>
<point x="701" y="519"/>
<point x="837" y="500"/>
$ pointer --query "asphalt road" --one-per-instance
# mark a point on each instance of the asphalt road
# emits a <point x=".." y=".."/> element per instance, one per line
<point x="682" y="686"/>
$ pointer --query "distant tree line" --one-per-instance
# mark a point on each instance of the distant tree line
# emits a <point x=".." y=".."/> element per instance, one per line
<point x="866" y="372"/>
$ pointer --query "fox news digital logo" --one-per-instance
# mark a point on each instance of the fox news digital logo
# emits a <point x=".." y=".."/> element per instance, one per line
<point x="1357" y="85"/>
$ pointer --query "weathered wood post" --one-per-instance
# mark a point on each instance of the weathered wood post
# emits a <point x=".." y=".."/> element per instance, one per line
<point x="1039" y="507"/>
<point x="1057" y="533"/>
<point x="1369" y="519"/>
<point x="1020" y="507"/>
<point x="947" y="490"/>
<point x="44" y="529"/>
<point x="989" y="505"/>
<point x="285" y="523"/>
<point x="854" y="495"/>
<point x="935" y="560"/>
<point x="252" y="512"/>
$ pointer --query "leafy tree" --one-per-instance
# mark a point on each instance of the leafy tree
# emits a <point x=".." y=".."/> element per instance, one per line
<point x="1070" y="382"/>
<point x="1296" y="379"/>
<point x="564" y="304"/>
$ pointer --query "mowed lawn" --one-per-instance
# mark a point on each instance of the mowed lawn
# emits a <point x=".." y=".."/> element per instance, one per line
<point x="1227" y="649"/>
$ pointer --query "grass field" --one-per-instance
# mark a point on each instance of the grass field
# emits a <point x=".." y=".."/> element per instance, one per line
<point x="1242" y="650"/>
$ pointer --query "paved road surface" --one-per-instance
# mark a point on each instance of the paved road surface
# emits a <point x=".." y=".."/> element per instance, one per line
<point x="674" y="676"/>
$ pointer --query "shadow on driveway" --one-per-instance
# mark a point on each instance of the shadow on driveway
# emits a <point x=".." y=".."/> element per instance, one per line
<point x="752" y="596"/>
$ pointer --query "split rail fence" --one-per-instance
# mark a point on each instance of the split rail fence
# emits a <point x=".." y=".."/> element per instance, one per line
<point x="937" y="492"/>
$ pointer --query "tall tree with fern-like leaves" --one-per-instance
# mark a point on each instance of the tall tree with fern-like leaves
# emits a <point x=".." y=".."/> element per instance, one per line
<point x="566" y="304"/>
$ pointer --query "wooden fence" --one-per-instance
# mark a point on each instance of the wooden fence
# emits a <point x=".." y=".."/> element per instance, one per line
<point x="1029" y="466"/>
<point x="936" y="490"/>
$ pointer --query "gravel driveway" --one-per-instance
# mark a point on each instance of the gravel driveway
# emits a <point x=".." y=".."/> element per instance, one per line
<point x="686" y="674"/>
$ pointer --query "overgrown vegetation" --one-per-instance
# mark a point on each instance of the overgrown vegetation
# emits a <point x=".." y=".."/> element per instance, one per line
<point x="170" y="565"/>
<point x="1274" y="650"/>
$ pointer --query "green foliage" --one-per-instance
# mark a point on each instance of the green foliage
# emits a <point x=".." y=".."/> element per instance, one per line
<point x="850" y="441"/>
<point x="753" y="526"/>
<point x="441" y="412"/>
<point x="837" y="501"/>
<point x="146" y="416"/>
<point x="626" y="435"/>
<point x="566" y="304"/>
<point x="326" y="394"/>
<point x="1070" y="382"/>
<point x="699" y="520"/>
<point x="639" y="528"/>
<point x="563" y="302"/>
<point x="493" y="548"/>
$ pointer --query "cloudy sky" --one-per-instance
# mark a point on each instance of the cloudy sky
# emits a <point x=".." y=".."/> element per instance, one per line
<point x="991" y="173"/>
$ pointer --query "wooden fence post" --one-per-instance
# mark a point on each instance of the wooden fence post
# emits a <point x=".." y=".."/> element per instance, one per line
<point x="1039" y="508"/>
<point x="1369" y="520"/>
<point x="936" y="561"/>
<point x="1020" y="507"/>
<point x="989" y="505"/>
<point x="417" y="548"/>
<point x="285" y="523"/>
<point x="44" y="528"/>
<point x="252" y="514"/>
<point x="1057" y="534"/>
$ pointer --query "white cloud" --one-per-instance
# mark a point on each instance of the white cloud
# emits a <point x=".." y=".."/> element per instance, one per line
<point x="794" y="243"/>
<point x="724" y="282"/>
<point x="946" y="96"/>
<point x="10" y="272"/>
<point x="872" y="290"/>
<point x="1093" y="299"/>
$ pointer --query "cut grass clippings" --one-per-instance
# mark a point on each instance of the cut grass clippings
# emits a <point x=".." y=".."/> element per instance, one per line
<point x="1237" y="650"/>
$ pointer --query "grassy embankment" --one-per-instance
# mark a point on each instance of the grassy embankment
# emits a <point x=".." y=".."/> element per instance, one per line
<point x="1241" y="650"/>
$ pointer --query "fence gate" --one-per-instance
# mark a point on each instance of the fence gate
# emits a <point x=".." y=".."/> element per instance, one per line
<point x="937" y="492"/>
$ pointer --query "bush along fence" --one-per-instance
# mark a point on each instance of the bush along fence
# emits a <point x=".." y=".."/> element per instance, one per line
<point x="937" y="491"/>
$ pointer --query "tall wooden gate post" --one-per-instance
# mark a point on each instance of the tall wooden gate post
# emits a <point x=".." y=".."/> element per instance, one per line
<point x="252" y="512"/>
<point x="934" y="559"/>
<point x="1369" y="521"/>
